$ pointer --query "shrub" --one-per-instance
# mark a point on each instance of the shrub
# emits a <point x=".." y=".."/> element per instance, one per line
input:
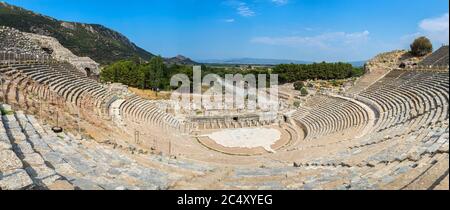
<point x="334" y="83"/>
<point x="304" y="92"/>
<point x="4" y="112"/>
<point x="297" y="104"/>
<point x="299" y="85"/>
<point x="421" y="46"/>
<point x="357" y="72"/>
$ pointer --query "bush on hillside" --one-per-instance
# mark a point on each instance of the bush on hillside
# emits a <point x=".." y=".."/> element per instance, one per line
<point x="304" y="92"/>
<point x="421" y="46"/>
<point x="299" y="85"/>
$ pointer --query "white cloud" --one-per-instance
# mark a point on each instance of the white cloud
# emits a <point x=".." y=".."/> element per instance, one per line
<point x="280" y="2"/>
<point x="244" y="10"/>
<point x="324" y="41"/>
<point x="330" y="46"/>
<point x="241" y="7"/>
<point x="231" y="20"/>
<point x="436" y="29"/>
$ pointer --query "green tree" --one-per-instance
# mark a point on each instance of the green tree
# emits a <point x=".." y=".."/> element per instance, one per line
<point x="421" y="46"/>
<point x="304" y="92"/>
<point x="299" y="85"/>
<point x="154" y="73"/>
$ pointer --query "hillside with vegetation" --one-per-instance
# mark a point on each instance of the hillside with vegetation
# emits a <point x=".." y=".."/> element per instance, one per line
<point x="156" y="74"/>
<point x="91" y="40"/>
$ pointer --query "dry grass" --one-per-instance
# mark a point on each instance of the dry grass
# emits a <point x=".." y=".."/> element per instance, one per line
<point x="150" y="95"/>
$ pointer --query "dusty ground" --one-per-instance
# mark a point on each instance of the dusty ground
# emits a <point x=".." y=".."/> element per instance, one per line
<point x="247" y="137"/>
<point x="150" y="95"/>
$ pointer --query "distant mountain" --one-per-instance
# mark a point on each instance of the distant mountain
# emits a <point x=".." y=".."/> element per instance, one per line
<point x="254" y="61"/>
<point x="180" y="60"/>
<point x="259" y="61"/>
<point x="92" y="40"/>
<point x="358" y="63"/>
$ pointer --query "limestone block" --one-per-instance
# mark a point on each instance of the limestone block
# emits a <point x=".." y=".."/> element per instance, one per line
<point x="9" y="161"/>
<point x="34" y="159"/>
<point x="15" y="180"/>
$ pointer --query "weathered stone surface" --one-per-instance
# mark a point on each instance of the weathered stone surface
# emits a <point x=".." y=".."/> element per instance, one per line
<point x="53" y="157"/>
<point x="84" y="184"/>
<point x="4" y="145"/>
<point x="18" y="136"/>
<point x="12" y="40"/>
<point x="65" y="169"/>
<point x="50" y="180"/>
<point x="40" y="172"/>
<point x="60" y="185"/>
<point x="9" y="161"/>
<point x="23" y="148"/>
<point x="15" y="180"/>
<point x="34" y="159"/>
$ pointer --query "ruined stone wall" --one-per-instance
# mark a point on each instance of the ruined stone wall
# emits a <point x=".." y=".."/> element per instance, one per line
<point x="60" y="53"/>
<point x="392" y="60"/>
<point x="15" y="41"/>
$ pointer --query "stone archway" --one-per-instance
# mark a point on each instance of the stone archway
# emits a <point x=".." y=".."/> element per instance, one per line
<point x="88" y="72"/>
<point x="47" y="50"/>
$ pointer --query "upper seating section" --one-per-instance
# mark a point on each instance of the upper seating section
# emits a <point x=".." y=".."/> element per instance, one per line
<point x="405" y="95"/>
<point x="398" y="98"/>
<point x="437" y="59"/>
<point x="12" y="41"/>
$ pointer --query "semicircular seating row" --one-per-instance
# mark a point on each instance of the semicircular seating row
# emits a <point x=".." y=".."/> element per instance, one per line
<point x="76" y="88"/>
<point x="32" y="156"/>
<point x="146" y="112"/>
<point x="404" y="95"/>
<point x="396" y="99"/>
<point x="330" y="115"/>
<point x="438" y="58"/>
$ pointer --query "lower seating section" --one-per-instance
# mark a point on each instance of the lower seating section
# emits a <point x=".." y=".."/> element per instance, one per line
<point x="22" y="167"/>
<point x="145" y="112"/>
<point x="70" y="84"/>
<point x="428" y="173"/>
<point x="392" y="159"/>
<point x="329" y="115"/>
<point x="34" y="157"/>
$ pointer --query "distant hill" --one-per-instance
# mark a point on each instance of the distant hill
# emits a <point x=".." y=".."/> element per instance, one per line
<point x="259" y="61"/>
<point x="358" y="63"/>
<point x="254" y="61"/>
<point x="92" y="40"/>
<point x="180" y="60"/>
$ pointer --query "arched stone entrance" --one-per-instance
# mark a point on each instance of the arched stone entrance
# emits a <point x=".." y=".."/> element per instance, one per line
<point x="88" y="72"/>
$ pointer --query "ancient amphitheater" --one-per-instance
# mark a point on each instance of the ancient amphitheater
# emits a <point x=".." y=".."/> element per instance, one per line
<point x="389" y="131"/>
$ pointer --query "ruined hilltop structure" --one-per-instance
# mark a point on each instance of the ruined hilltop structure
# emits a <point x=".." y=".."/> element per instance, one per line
<point x="44" y="47"/>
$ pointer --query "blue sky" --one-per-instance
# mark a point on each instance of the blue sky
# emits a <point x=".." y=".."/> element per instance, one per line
<point x="311" y="30"/>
